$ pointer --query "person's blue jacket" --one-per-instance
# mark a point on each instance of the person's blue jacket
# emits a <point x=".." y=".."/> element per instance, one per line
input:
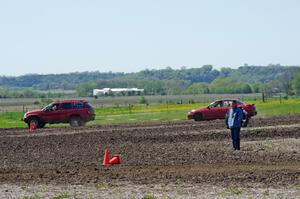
<point x="234" y="118"/>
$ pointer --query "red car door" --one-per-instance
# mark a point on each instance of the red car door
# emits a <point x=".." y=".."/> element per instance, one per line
<point x="51" y="114"/>
<point x="214" y="110"/>
<point x="65" y="110"/>
<point x="221" y="111"/>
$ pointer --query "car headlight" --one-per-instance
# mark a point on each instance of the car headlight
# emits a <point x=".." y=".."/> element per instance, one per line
<point x="192" y="111"/>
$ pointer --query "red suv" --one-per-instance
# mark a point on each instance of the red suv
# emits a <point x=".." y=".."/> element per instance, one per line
<point x="75" y="112"/>
<point x="218" y="110"/>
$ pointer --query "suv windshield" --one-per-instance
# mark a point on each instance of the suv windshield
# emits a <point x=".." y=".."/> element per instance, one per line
<point x="89" y="106"/>
<point x="48" y="107"/>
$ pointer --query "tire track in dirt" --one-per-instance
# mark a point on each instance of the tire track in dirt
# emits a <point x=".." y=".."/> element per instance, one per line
<point x="174" y="133"/>
<point x="187" y="125"/>
<point x="222" y="174"/>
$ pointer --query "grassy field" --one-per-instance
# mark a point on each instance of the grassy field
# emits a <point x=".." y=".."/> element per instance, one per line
<point x="160" y="112"/>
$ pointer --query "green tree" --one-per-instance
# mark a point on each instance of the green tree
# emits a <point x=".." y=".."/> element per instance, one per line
<point x="143" y="100"/>
<point x="198" y="88"/>
<point x="256" y="87"/>
<point x="296" y="83"/>
<point x="154" y="87"/>
<point x="285" y="80"/>
<point x="86" y="89"/>
<point x="225" y="72"/>
<point x="175" y="87"/>
<point x="229" y="85"/>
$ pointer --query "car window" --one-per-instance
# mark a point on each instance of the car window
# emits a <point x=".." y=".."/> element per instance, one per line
<point x="54" y="107"/>
<point x="78" y="105"/>
<point x="216" y="104"/>
<point x="51" y="107"/>
<point x="65" y="106"/>
<point x="227" y="103"/>
<point x="88" y="105"/>
<point x="212" y="104"/>
<point x="47" y="108"/>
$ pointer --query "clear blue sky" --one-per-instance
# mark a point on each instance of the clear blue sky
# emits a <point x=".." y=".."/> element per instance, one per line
<point x="60" y="36"/>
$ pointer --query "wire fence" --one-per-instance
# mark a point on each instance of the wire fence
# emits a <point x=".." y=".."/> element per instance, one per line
<point x="26" y="104"/>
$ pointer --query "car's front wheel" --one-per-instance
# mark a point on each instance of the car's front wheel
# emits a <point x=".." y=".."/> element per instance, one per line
<point x="198" y="117"/>
<point x="33" y="121"/>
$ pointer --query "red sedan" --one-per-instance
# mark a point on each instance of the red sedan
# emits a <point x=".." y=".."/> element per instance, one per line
<point x="218" y="110"/>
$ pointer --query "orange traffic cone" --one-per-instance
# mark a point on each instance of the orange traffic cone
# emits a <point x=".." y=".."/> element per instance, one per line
<point x="32" y="126"/>
<point x="106" y="158"/>
<point x="115" y="159"/>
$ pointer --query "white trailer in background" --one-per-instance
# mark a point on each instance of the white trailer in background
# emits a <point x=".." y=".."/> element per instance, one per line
<point x="107" y="91"/>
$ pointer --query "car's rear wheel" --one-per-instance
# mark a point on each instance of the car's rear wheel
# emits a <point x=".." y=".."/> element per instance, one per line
<point x="76" y="121"/>
<point x="198" y="117"/>
<point x="245" y="122"/>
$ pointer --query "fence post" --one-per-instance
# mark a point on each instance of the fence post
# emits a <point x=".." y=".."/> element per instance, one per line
<point x="280" y="99"/>
<point x="129" y="108"/>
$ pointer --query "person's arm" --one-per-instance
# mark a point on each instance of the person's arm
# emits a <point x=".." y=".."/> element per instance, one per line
<point x="226" y="119"/>
<point x="240" y="116"/>
<point x="228" y="114"/>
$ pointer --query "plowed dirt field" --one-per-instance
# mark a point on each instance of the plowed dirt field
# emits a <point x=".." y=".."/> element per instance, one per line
<point x="176" y="156"/>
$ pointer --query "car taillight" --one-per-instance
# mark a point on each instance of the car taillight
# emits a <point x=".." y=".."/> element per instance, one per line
<point x="90" y="111"/>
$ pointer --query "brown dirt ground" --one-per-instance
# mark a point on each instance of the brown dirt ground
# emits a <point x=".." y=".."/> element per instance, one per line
<point x="159" y="153"/>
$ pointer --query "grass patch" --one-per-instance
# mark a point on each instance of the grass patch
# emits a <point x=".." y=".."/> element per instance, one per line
<point x="266" y="193"/>
<point x="62" y="195"/>
<point x="35" y="196"/>
<point x="274" y="107"/>
<point x="231" y="191"/>
<point x="102" y="185"/>
<point x="12" y="120"/>
<point x="149" y="196"/>
<point x="267" y="144"/>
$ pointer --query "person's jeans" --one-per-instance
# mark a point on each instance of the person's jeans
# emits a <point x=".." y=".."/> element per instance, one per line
<point x="235" y="135"/>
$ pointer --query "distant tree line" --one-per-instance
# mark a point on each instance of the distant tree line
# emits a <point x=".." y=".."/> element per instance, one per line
<point x="205" y="80"/>
<point x="67" y="81"/>
<point x="202" y="80"/>
<point x="28" y="93"/>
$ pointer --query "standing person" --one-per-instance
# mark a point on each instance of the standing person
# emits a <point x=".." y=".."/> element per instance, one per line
<point x="234" y="119"/>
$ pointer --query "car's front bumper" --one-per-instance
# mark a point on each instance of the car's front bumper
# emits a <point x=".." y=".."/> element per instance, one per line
<point x="190" y="116"/>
